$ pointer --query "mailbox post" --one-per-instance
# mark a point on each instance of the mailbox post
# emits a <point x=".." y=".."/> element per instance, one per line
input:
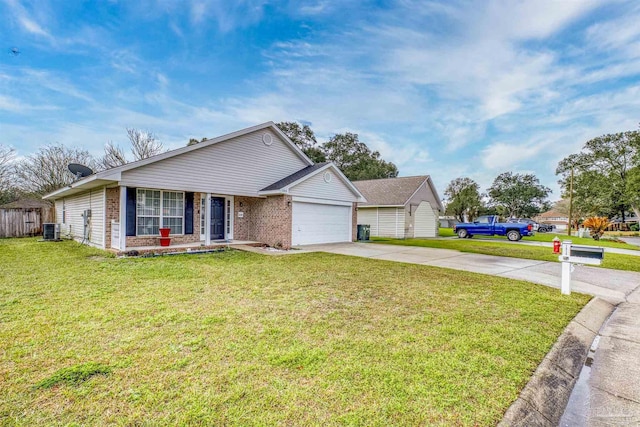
<point x="565" y="287"/>
<point x="574" y="254"/>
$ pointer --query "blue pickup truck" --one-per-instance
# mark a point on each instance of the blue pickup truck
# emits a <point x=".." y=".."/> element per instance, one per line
<point x="488" y="225"/>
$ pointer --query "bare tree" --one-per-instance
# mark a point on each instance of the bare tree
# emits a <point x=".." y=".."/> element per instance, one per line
<point x="144" y="144"/>
<point x="8" y="190"/>
<point x="47" y="170"/>
<point x="7" y="154"/>
<point x="113" y="156"/>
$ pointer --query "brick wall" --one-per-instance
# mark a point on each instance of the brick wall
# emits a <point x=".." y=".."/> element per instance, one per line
<point x="264" y="220"/>
<point x="354" y="222"/>
<point x="112" y="210"/>
<point x="138" y="241"/>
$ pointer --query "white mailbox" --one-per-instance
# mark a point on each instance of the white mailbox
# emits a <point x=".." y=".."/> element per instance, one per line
<point x="575" y="254"/>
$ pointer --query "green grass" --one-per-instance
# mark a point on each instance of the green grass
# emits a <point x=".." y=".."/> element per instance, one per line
<point x="237" y="338"/>
<point x="509" y="249"/>
<point x="446" y="232"/>
<point x="74" y="375"/>
<point x="548" y="237"/>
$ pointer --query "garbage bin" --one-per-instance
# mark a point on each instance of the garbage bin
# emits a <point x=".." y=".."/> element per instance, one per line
<point x="363" y="231"/>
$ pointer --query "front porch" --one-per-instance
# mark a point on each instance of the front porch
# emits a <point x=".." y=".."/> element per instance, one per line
<point x="193" y="247"/>
<point x="197" y="220"/>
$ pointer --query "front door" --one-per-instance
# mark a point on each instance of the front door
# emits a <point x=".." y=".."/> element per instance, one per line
<point x="217" y="218"/>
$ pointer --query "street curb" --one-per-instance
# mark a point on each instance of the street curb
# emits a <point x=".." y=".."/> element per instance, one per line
<point x="544" y="398"/>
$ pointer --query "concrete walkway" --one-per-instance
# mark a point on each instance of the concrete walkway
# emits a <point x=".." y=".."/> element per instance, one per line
<point x="608" y="394"/>
<point x="608" y="391"/>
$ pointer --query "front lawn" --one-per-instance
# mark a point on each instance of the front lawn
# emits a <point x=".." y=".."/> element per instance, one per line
<point x="502" y="247"/>
<point x="237" y="338"/>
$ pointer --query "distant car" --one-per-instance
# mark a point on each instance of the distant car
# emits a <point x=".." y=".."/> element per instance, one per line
<point x="540" y="228"/>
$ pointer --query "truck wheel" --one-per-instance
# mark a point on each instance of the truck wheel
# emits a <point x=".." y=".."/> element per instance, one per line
<point x="513" y="235"/>
<point x="462" y="233"/>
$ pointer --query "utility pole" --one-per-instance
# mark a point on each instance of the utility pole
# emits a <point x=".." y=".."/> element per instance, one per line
<point x="570" y="203"/>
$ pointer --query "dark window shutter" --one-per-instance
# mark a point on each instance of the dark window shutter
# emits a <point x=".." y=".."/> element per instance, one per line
<point x="188" y="213"/>
<point x="131" y="211"/>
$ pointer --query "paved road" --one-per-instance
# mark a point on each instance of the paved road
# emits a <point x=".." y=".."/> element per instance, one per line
<point x="608" y="394"/>
<point x="631" y="240"/>
<point x="610" y="285"/>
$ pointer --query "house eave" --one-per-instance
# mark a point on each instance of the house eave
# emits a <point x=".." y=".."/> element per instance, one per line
<point x="77" y="187"/>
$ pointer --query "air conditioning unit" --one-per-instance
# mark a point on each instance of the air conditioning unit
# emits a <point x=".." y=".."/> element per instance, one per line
<point x="50" y="231"/>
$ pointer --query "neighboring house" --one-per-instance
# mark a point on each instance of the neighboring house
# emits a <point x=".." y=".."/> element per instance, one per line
<point x="250" y="185"/>
<point x="400" y="207"/>
<point x="553" y="217"/>
<point x="448" y="221"/>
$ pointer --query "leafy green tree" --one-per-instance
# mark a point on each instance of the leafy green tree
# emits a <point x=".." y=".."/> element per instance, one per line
<point x="356" y="160"/>
<point x="604" y="174"/>
<point x="464" y="199"/>
<point x="518" y="195"/>
<point x="304" y="138"/>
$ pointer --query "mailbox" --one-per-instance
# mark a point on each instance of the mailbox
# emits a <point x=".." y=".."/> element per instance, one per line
<point x="575" y="254"/>
<point x="581" y="254"/>
<point x="587" y="252"/>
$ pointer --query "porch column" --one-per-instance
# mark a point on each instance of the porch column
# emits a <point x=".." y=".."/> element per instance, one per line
<point x="207" y="221"/>
<point x="123" y="218"/>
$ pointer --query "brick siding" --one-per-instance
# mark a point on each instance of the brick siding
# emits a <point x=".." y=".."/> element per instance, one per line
<point x="354" y="222"/>
<point x="264" y="220"/>
<point x="113" y="213"/>
<point x="112" y="210"/>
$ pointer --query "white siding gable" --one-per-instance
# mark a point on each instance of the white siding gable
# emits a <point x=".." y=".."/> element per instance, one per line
<point x="242" y="165"/>
<point x="426" y="221"/>
<point x="74" y="207"/>
<point x="384" y="222"/>
<point x="317" y="188"/>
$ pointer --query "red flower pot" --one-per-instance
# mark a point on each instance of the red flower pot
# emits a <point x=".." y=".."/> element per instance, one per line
<point x="165" y="241"/>
<point x="164" y="232"/>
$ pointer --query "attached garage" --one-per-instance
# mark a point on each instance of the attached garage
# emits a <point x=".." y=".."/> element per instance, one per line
<point x="323" y="205"/>
<point x="320" y="223"/>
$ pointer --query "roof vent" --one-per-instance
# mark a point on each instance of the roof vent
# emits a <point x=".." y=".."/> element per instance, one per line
<point x="267" y="139"/>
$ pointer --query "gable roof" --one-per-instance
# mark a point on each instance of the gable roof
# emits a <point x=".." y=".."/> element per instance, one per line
<point x="303" y="174"/>
<point x="553" y="214"/>
<point x="114" y="174"/>
<point x="27" y="204"/>
<point x="394" y="191"/>
<point x="286" y="181"/>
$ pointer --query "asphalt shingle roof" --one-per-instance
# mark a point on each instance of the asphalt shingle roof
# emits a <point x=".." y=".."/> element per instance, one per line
<point x="294" y="177"/>
<point x="389" y="191"/>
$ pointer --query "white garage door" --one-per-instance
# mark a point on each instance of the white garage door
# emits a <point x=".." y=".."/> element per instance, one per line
<point x="426" y="221"/>
<point x="317" y="223"/>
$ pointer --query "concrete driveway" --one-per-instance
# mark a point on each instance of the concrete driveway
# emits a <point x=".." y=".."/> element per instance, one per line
<point x="610" y="285"/>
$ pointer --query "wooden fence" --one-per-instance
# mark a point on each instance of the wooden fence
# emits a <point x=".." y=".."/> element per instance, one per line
<point x="21" y="222"/>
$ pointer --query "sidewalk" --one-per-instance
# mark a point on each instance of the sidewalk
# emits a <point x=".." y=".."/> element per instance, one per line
<point x="609" y="393"/>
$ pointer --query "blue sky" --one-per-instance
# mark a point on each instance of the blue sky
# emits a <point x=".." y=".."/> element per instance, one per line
<point x="451" y="88"/>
